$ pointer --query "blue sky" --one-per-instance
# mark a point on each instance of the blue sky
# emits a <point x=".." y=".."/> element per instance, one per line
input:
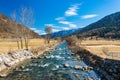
<point x="62" y="14"/>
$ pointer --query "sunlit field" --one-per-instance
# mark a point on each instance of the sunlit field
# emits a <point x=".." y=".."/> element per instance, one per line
<point x="10" y="45"/>
<point x="97" y="46"/>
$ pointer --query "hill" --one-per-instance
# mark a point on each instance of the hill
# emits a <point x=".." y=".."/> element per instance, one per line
<point x="107" y="27"/>
<point x="8" y="28"/>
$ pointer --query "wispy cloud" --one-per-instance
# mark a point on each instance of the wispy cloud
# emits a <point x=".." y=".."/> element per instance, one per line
<point x="37" y="31"/>
<point x="59" y="28"/>
<point x="54" y="27"/>
<point x="72" y="11"/>
<point x="70" y="24"/>
<point x="89" y="16"/>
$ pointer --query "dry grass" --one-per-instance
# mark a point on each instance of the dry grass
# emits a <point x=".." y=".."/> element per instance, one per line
<point x="100" y="42"/>
<point x="11" y="45"/>
<point x="97" y="46"/>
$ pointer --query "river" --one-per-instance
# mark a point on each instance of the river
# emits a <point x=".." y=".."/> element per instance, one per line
<point x="51" y="68"/>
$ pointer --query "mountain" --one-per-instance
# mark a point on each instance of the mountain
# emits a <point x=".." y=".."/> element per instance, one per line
<point x="107" y="27"/>
<point x="8" y="28"/>
<point x="62" y="33"/>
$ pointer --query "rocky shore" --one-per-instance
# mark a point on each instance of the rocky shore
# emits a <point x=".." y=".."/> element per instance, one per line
<point x="108" y="68"/>
<point x="10" y="60"/>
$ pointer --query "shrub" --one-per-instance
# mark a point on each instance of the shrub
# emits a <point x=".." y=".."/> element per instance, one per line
<point x="71" y="40"/>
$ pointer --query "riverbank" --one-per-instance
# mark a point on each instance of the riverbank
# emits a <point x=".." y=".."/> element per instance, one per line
<point x="109" y="49"/>
<point x="108" y="68"/>
<point x="10" y="60"/>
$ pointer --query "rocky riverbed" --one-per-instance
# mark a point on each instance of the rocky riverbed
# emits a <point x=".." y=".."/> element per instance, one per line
<point x="59" y="65"/>
<point x="9" y="61"/>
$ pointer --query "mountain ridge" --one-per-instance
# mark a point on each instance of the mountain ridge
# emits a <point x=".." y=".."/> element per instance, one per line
<point x="107" y="27"/>
<point x="63" y="33"/>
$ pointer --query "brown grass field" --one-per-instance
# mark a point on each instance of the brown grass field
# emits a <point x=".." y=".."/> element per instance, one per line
<point x="11" y="45"/>
<point x="94" y="46"/>
<point x="98" y="47"/>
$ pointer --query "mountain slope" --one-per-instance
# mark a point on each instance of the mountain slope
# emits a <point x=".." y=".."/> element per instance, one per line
<point x="62" y="33"/>
<point x="107" y="27"/>
<point x="8" y="28"/>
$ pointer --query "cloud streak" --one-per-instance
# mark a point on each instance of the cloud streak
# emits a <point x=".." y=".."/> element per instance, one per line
<point x="38" y="31"/>
<point x="70" y="24"/>
<point x="89" y="16"/>
<point x="72" y="11"/>
<point x="55" y="28"/>
<point x="60" y="28"/>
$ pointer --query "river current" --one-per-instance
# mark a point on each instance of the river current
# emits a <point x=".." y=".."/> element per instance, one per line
<point x="51" y="68"/>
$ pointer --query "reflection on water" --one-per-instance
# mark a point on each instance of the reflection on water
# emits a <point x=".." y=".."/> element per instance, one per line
<point x="51" y="68"/>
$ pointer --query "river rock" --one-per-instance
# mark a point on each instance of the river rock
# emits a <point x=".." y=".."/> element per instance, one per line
<point x="90" y="68"/>
<point x="85" y="67"/>
<point x="88" y="79"/>
<point x="16" y="69"/>
<point x="66" y="65"/>
<point x="78" y="67"/>
<point x="33" y="57"/>
<point x="3" y="75"/>
<point x="72" y="53"/>
<point x="22" y="67"/>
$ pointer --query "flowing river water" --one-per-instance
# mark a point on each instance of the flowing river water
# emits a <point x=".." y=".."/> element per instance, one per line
<point x="51" y="68"/>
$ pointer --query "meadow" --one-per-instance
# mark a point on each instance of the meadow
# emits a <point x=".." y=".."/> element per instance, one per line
<point x="103" y="48"/>
<point x="97" y="47"/>
<point x="7" y="45"/>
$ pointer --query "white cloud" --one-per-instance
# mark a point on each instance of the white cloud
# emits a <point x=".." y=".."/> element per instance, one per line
<point x="73" y="25"/>
<point x="72" y="11"/>
<point x="60" y="18"/>
<point x="37" y="31"/>
<point x="89" y="16"/>
<point x="64" y="22"/>
<point x="59" y="28"/>
<point x="70" y="24"/>
<point x="54" y="27"/>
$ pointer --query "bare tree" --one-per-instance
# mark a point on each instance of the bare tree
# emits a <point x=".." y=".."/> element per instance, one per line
<point x="26" y="19"/>
<point x="71" y="40"/>
<point x="14" y="17"/>
<point x="48" y="30"/>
